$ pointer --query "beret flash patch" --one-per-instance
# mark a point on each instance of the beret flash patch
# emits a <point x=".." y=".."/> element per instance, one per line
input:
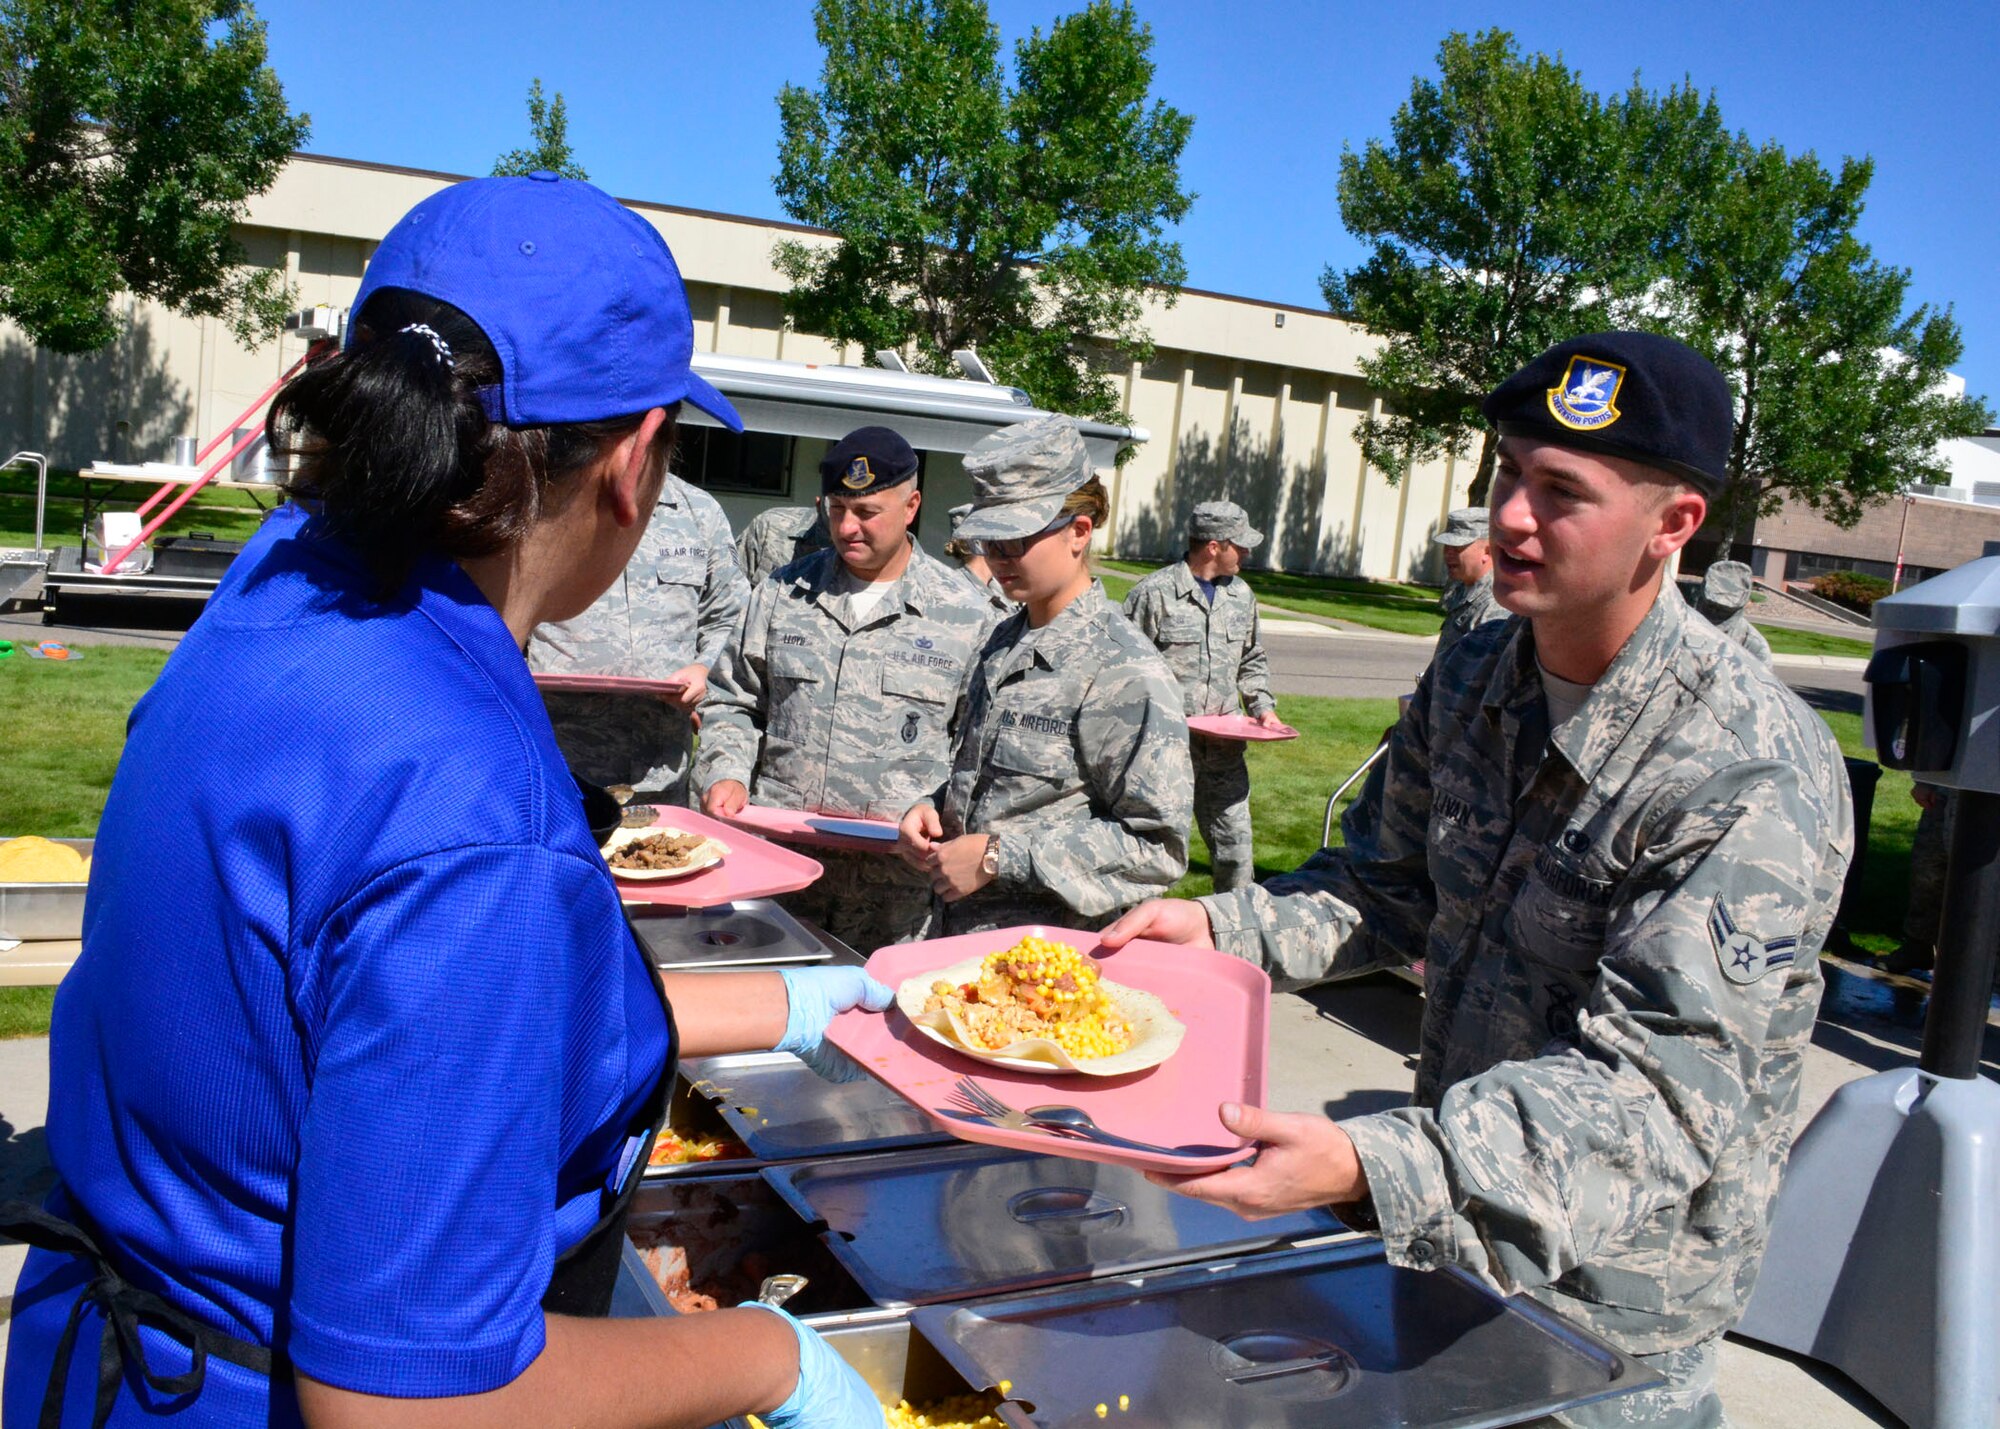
<point x="1586" y="400"/>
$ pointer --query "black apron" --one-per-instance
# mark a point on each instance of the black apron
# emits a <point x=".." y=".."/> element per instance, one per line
<point x="580" y="1283"/>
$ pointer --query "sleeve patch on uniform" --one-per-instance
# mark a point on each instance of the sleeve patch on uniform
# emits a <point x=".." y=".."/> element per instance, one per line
<point x="1745" y="959"/>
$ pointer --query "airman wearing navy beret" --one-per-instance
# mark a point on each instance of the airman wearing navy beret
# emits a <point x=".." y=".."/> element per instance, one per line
<point x="866" y="459"/>
<point x="1617" y="842"/>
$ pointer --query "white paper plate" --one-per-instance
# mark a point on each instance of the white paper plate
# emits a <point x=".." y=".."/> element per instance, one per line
<point x="708" y="855"/>
<point x="1156" y="1032"/>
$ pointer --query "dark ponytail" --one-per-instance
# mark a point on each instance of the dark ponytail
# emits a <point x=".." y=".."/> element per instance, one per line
<point x="389" y="438"/>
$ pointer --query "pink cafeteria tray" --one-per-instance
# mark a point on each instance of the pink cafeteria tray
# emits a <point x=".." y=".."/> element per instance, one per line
<point x="607" y="684"/>
<point x="795" y="826"/>
<point x="1237" y="726"/>
<point x="1225" y="1002"/>
<point x="753" y="868"/>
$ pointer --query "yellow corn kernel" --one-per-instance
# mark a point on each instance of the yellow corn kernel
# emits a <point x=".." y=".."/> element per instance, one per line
<point x="1103" y="1410"/>
<point x="1124" y="1402"/>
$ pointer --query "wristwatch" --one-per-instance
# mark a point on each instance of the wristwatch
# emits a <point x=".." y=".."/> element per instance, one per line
<point x="989" y="863"/>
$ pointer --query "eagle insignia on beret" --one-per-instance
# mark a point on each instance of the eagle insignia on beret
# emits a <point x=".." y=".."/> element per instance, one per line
<point x="1586" y="399"/>
<point x="859" y="474"/>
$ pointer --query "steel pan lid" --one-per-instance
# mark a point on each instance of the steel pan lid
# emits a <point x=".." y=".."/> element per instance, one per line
<point x="1328" y="1335"/>
<point x="749" y="932"/>
<point x="954" y="1223"/>
<point x="785" y="1111"/>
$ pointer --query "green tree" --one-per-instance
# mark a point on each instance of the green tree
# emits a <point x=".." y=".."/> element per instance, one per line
<point x="548" y="131"/>
<point x="132" y="133"/>
<point x="1841" y="392"/>
<point x="1509" y="209"/>
<point x="1027" y="222"/>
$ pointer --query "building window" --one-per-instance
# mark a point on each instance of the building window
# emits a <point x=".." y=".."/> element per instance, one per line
<point x="1808" y="564"/>
<point x="759" y="463"/>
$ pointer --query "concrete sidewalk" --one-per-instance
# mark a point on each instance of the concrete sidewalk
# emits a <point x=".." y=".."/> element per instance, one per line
<point x="1343" y="1050"/>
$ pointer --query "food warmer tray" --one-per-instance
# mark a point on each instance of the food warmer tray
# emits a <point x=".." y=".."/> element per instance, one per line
<point x="954" y="1223"/>
<point x="750" y="932"/>
<point x="1329" y="1336"/>
<point x="44" y="910"/>
<point x="785" y="1111"/>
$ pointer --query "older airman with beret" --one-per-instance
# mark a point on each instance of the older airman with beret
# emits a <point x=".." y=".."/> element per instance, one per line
<point x="843" y="687"/>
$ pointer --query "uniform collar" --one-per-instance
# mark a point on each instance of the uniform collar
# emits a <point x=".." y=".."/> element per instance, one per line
<point x="1073" y="630"/>
<point x="912" y="592"/>
<point x="1621" y="692"/>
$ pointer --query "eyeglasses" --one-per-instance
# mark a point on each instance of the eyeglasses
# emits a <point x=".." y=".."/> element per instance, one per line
<point x="1013" y="548"/>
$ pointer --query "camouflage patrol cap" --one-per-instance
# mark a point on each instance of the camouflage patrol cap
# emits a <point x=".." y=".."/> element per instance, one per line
<point x="1725" y="589"/>
<point x="1222" y="521"/>
<point x="1463" y="526"/>
<point x="1021" y="475"/>
<point x="866" y="459"/>
<point x="1635" y="395"/>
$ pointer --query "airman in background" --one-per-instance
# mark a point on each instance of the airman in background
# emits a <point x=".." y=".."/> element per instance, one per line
<point x="843" y="687"/>
<point x="1725" y="594"/>
<point x="1468" y="558"/>
<point x="973" y="565"/>
<point x="777" y="536"/>
<point x="666" y="618"/>
<point x="1204" y="621"/>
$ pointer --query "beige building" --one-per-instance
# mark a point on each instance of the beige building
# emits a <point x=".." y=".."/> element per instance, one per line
<point x="1253" y="402"/>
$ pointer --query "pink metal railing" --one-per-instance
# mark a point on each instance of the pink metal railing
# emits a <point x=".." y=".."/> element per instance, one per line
<point x="318" y="349"/>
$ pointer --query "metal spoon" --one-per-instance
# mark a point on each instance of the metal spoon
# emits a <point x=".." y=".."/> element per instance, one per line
<point x="777" y="1289"/>
<point x="1075" y="1119"/>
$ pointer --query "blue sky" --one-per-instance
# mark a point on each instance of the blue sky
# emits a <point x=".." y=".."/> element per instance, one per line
<point x="674" y="102"/>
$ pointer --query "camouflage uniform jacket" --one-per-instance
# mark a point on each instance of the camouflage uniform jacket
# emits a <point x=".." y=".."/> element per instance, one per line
<point x="1738" y="628"/>
<point x="776" y="537"/>
<point x="996" y="595"/>
<point x="1466" y="608"/>
<point x="1620" y="942"/>
<point x="1075" y="752"/>
<point x="1213" y="649"/>
<point x="807" y="712"/>
<point x="674" y="606"/>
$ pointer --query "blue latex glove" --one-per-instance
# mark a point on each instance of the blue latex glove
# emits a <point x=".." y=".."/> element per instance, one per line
<point x="814" y="995"/>
<point x="829" y="1395"/>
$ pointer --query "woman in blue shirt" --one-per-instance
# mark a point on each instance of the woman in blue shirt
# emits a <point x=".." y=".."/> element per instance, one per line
<point x="360" y="1060"/>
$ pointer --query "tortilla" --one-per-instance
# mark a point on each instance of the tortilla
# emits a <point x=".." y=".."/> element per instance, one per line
<point x="1156" y="1032"/>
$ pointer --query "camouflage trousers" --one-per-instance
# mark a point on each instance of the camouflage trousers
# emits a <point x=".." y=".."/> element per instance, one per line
<point x="1688" y="1400"/>
<point x="1928" y="850"/>
<point x="1222" y="809"/>
<point x="624" y="739"/>
<point x="866" y="900"/>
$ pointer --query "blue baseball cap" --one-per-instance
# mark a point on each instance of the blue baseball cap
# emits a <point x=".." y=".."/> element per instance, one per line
<point x="578" y="295"/>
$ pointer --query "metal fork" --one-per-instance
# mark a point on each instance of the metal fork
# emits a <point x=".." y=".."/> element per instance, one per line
<point x="974" y="1099"/>
<point x="979" y="1102"/>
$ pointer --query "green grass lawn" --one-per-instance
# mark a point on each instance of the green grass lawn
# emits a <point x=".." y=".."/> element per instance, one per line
<point x="65" y="727"/>
<point x="1381" y="605"/>
<point x="1786" y="641"/>
<point x="229" y="515"/>
<point x="65" y="723"/>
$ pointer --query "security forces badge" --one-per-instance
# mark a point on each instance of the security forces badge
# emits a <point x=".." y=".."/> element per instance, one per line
<point x="1586" y="399"/>
<point x="859" y="474"/>
<point x="1743" y="958"/>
